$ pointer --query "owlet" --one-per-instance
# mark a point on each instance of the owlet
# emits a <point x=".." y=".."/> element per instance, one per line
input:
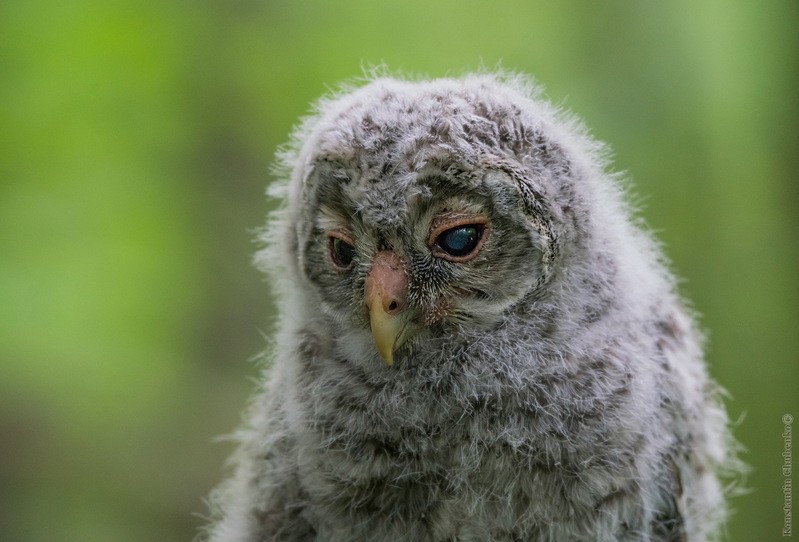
<point x="476" y="339"/>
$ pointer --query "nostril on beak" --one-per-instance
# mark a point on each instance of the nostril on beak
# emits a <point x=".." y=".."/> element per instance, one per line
<point x="386" y="284"/>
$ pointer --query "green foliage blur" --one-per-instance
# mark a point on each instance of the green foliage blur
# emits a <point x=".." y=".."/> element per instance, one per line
<point x="135" y="146"/>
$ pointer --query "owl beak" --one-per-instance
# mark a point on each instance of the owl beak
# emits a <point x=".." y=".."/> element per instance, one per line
<point x="385" y="292"/>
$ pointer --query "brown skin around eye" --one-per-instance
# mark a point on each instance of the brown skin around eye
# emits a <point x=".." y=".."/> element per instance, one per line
<point x="450" y="220"/>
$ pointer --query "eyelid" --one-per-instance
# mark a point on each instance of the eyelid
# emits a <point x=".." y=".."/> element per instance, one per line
<point x="341" y="234"/>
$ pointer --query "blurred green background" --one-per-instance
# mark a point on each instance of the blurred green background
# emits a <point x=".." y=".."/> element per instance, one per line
<point x="135" y="145"/>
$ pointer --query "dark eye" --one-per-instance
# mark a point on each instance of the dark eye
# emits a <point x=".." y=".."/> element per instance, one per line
<point x="341" y="252"/>
<point x="460" y="241"/>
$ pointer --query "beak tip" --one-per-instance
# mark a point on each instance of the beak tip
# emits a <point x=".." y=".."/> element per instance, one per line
<point x="387" y="354"/>
<point x="386" y="330"/>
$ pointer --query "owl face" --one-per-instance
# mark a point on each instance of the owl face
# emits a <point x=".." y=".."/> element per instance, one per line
<point x="426" y="256"/>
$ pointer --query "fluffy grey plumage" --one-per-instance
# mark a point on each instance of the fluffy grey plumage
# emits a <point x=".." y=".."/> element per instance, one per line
<point x="543" y="380"/>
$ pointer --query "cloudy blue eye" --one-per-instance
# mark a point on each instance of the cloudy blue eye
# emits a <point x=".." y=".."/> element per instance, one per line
<point x="460" y="241"/>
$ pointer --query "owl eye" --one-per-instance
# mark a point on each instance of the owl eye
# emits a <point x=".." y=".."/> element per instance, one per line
<point x="460" y="242"/>
<point x="342" y="251"/>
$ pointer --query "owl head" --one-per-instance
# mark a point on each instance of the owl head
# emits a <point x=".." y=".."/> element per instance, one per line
<point x="424" y="214"/>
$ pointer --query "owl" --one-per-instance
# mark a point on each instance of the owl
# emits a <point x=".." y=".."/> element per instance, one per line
<point x="476" y="338"/>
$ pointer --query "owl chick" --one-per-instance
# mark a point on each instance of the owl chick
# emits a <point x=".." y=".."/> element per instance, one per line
<point x="476" y="340"/>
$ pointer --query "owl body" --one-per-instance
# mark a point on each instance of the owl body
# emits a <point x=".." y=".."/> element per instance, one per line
<point x="476" y="340"/>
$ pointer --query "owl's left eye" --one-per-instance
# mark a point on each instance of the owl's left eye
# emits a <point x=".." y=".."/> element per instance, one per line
<point x="459" y="244"/>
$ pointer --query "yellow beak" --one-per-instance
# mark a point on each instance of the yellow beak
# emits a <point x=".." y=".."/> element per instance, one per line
<point x="385" y="291"/>
<point x="387" y="331"/>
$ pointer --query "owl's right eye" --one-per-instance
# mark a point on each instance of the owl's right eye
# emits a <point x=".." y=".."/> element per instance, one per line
<point x="342" y="251"/>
